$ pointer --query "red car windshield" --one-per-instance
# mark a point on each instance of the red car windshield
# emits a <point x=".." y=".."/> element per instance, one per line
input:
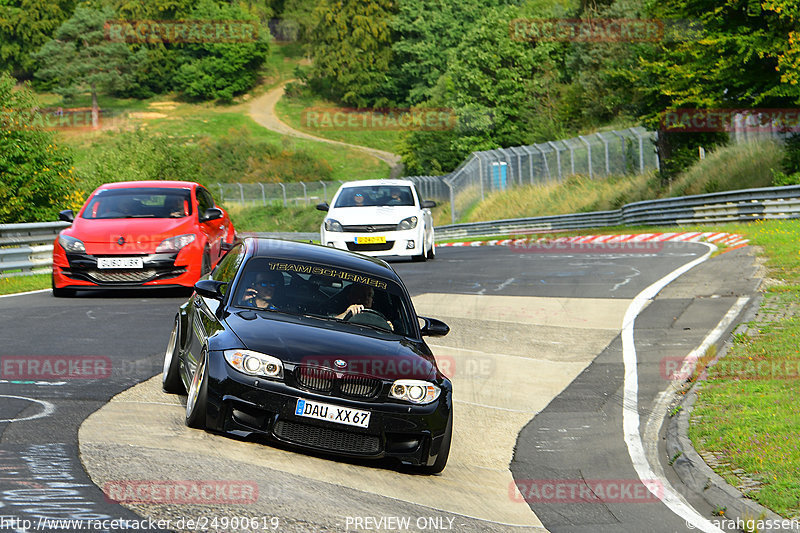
<point x="139" y="203"/>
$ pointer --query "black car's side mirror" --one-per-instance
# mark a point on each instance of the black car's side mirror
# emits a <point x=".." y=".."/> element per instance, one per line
<point x="427" y="204"/>
<point x="212" y="213"/>
<point x="66" y="215"/>
<point x="323" y="206"/>
<point x="434" y="327"/>
<point x="210" y="288"/>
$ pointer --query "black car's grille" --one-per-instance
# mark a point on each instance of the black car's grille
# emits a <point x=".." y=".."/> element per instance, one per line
<point x="359" y="386"/>
<point x="377" y="247"/>
<point x="325" y="380"/>
<point x="316" y="379"/>
<point x="327" y="438"/>
<point x="369" y="228"/>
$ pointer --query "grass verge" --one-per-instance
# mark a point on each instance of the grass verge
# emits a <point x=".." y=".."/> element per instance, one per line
<point x="15" y="284"/>
<point x="746" y="414"/>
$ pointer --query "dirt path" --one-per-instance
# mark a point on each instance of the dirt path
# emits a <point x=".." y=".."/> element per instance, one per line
<point x="262" y="110"/>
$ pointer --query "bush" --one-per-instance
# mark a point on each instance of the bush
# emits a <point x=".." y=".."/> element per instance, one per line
<point x="36" y="178"/>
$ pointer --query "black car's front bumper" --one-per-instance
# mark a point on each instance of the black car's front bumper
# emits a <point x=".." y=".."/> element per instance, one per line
<point x="242" y="404"/>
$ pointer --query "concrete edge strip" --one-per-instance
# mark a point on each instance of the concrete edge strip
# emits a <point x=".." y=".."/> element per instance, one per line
<point x="656" y="419"/>
<point x="727" y="239"/>
<point x="23" y="293"/>
<point x="630" y="412"/>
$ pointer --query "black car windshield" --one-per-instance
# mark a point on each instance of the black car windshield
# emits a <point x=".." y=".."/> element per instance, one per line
<point x="324" y="292"/>
<point x="372" y="195"/>
<point x="139" y="203"/>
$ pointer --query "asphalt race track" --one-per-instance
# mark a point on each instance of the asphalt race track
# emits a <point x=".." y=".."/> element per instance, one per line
<point x="535" y="353"/>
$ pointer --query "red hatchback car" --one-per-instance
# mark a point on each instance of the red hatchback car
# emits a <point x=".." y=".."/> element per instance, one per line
<point x="141" y="234"/>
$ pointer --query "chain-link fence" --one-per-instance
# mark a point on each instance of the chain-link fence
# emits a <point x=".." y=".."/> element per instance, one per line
<point x="282" y="194"/>
<point x="630" y="151"/>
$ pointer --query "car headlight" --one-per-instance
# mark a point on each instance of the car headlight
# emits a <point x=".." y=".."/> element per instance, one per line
<point x="407" y="223"/>
<point x="173" y="244"/>
<point x="332" y="225"/>
<point x="254" y="363"/>
<point x="414" y="391"/>
<point x="71" y="244"/>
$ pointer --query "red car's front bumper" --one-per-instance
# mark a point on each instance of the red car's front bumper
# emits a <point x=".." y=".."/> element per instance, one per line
<point x="80" y="271"/>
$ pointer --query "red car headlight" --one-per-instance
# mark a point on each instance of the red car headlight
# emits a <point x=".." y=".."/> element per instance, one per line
<point x="173" y="244"/>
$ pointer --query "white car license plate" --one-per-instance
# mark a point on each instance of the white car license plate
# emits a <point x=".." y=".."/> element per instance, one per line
<point x="332" y="413"/>
<point x="371" y="240"/>
<point x="120" y="262"/>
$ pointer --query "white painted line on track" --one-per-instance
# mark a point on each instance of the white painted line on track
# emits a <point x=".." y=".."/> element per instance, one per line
<point x="630" y="404"/>
<point x="24" y="293"/>
<point x="47" y="408"/>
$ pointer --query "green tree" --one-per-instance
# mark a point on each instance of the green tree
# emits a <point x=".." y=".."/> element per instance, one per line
<point x="35" y="172"/>
<point x="25" y="25"/>
<point x="350" y="43"/>
<point x="80" y="59"/>
<point x="217" y="69"/>
<point x="426" y="33"/>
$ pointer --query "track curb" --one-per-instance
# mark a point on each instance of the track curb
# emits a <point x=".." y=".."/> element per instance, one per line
<point x="618" y="240"/>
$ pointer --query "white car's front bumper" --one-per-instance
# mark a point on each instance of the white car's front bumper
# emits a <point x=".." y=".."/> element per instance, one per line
<point x="400" y="243"/>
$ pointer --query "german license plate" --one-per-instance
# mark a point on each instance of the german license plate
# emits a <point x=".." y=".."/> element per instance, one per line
<point x="332" y="413"/>
<point x="371" y="240"/>
<point x="120" y="262"/>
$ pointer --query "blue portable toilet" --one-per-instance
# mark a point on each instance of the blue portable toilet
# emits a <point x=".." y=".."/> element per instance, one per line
<point x="499" y="175"/>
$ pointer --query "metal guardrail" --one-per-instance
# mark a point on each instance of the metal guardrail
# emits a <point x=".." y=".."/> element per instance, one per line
<point x="27" y="248"/>
<point x="771" y="203"/>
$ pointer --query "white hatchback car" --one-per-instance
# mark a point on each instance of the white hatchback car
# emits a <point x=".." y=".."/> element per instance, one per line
<point x="379" y="217"/>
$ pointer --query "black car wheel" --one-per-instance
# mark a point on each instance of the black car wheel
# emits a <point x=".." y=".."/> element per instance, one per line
<point x="61" y="293"/>
<point x="198" y="392"/>
<point x="432" y="251"/>
<point x="444" y="451"/>
<point x="170" y="378"/>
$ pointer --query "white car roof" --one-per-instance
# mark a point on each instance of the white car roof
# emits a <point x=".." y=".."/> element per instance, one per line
<point x="376" y="182"/>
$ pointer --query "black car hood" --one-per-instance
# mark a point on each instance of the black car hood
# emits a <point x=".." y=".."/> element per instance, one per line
<point x="314" y="342"/>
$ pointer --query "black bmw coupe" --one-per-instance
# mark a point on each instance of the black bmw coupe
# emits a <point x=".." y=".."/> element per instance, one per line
<point x="314" y="347"/>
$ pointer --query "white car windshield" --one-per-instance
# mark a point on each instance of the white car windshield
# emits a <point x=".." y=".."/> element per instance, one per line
<point x="375" y="195"/>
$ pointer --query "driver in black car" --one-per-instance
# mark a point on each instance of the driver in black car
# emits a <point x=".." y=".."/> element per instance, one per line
<point x="263" y="292"/>
<point x="359" y="297"/>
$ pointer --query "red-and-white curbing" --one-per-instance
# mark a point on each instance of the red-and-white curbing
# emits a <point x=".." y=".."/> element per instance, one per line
<point x="720" y="238"/>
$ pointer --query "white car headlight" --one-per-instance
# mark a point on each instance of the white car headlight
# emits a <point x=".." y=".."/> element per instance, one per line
<point x="254" y="363"/>
<point x="71" y="244"/>
<point x="407" y="223"/>
<point x="173" y="244"/>
<point x="414" y="391"/>
<point x="332" y="225"/>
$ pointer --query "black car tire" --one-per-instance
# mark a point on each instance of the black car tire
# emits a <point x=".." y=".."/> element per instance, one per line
<point x="444" y="451"/>
<point x="170" y="377"/>
<point x="421" y="258"/>
<point x="197" y="395"/>
<point x="61" y="293"/>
